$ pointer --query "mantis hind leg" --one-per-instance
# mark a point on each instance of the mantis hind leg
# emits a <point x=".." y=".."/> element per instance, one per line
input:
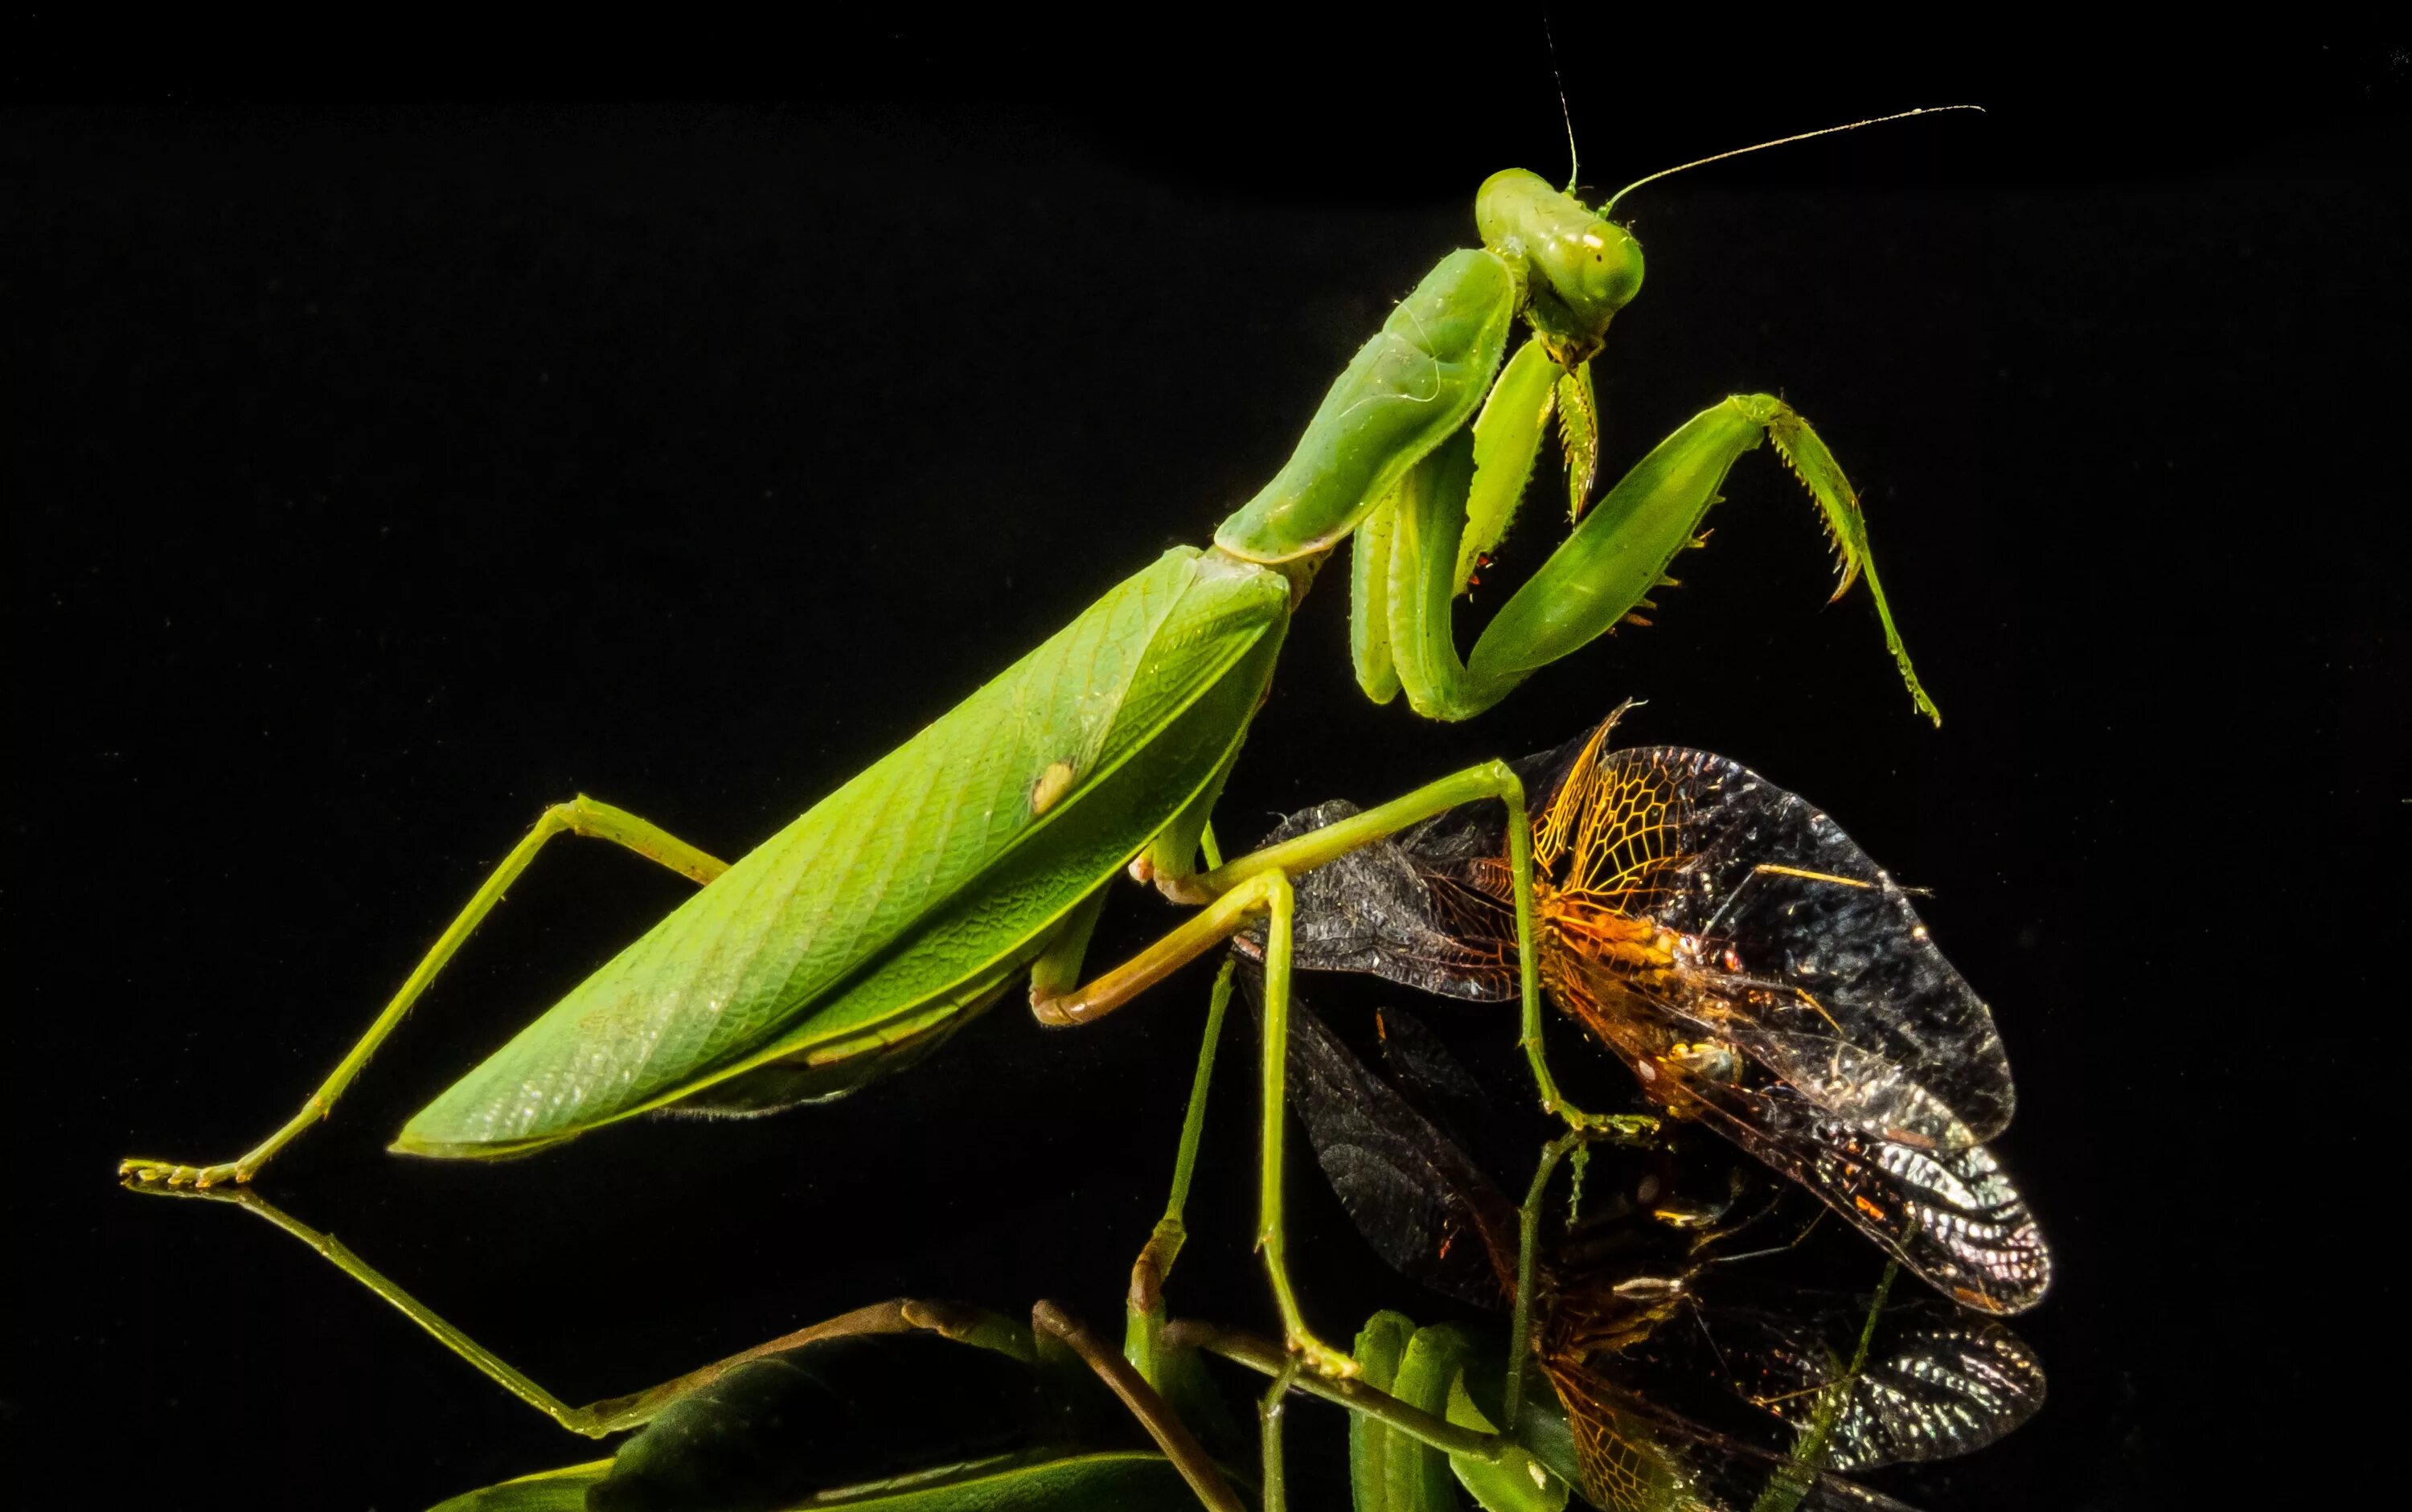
<point x="580" y="816"/>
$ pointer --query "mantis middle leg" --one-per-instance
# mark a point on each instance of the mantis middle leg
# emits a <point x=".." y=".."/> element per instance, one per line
<point x="1258" y="886"/>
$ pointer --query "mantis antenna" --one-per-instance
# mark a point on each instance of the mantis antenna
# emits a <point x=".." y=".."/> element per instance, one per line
<point x="1574" y="158"/>
<point x="1780" y="142"/>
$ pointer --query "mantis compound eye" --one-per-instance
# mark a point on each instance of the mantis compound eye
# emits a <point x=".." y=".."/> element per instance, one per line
<point x="1596" y="267"/>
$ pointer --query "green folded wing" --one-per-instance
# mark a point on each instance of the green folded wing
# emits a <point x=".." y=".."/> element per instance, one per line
<point x="908" y="896"/>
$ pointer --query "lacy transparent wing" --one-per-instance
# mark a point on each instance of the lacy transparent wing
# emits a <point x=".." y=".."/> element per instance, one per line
<point x="1424" y="1067"/>
<point x="1954" y="1219"/>
<point x="1635" y="1459"/>
<point x="1800" y="951"/>
<point x="1940" y="1389"/>
<point x="1417" y="1199"/>
<point x="1815" y="963"/>
<point x="1381" y="911"/>
<point x="1936" y="1383"/>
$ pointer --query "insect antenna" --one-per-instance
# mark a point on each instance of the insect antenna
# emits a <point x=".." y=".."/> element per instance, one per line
<point x="1574" y="158"/>
<point x="1780" y="142"/>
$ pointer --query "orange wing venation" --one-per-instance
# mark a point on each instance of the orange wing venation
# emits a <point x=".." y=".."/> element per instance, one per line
<point x="1611" y="835"/>
<point x="1746" y="914"/>
<point x="1634" y="1459"/>
<point x="1746" y="960"/>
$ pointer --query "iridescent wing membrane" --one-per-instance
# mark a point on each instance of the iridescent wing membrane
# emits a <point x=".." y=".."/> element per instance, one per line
<point x="1747" y="961"/>
<point x="1422" y="1203"/>
<point x="1411" y="910"/>
<point x="1938" y="1384"/>
<point x="1615" y="1347"/>
<point x="1798" y="949"/>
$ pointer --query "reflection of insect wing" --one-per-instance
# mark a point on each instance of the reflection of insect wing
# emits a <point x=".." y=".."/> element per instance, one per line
<point x="1954" y="1219"/>
<point x="1935" y="1385"/>
<point x="1847" y="979"/>
<point x="1415" y="1196"/>
<point x="1938" y="1392"/>
<point x="1636" y="1459"/>
<point x="1625" y="1467"/>
<point x="1424" y="1066"/>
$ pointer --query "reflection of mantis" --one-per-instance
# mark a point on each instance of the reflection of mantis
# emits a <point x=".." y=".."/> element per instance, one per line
<point x="870" y="929"/>
<point x="917" y="1406"/>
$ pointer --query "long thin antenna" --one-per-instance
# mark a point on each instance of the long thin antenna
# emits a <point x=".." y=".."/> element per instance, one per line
<point x="1574" y="159"/>
<point x="1783" y="142"/>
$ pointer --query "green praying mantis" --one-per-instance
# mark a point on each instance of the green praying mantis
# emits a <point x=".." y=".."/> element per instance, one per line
<point x="980" y="853"/>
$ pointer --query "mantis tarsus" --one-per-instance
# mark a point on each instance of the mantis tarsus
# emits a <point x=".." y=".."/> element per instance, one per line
<point x="980" y="852"/>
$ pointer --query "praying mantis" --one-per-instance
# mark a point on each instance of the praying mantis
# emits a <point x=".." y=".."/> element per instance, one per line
<point x="980" y="854"/>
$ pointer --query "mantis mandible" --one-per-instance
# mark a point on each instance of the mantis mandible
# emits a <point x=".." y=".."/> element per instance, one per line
<point x="862" y="935"/>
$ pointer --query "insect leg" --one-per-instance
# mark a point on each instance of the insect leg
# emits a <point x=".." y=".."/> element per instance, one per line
<point x="1258" y="883"/>
<point x="580" y="816"/>
<point x="1269" y="1415"/>
<point x="1265" y="894"/>
<point x="1137" y="1393"/>
<point x="1142" y="1331"/>
<point x="1493" y="781"/>
<point x="595" y="1420"/>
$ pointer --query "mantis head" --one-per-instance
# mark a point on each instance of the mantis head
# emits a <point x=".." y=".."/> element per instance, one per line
<point x="1578" y="269"/>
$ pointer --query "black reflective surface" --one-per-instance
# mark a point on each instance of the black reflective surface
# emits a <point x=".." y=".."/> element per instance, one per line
<point x="377" y="475"/>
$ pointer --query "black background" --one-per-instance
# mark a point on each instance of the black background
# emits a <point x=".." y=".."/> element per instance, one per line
<point x="378" y="474"/>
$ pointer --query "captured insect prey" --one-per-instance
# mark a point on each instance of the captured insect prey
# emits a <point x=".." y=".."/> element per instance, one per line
<point x="1751" y="967"/>
<point x="1689" y="1374"/>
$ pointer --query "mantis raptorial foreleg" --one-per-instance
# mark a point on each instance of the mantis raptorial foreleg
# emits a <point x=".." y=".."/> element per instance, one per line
<point x="1408" y="559"/>
<point x="1258" y="886"/>
<point x="580" y="816"/>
